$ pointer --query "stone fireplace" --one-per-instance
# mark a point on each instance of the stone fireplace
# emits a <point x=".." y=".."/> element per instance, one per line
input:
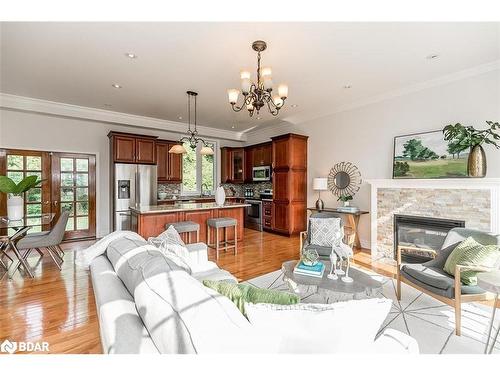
<point x="475" y="202"/>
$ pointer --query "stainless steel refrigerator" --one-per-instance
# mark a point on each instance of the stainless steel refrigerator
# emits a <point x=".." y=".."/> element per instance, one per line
<point x="135" y="185"/>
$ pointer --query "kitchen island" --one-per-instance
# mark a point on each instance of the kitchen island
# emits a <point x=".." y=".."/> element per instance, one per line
<point x="150" y="221"/>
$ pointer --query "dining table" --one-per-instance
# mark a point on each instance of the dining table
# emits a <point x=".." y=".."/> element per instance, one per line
<point x="8" y="241"/>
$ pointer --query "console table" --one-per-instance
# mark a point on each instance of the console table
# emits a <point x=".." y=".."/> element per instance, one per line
<point x="352" y="220"/>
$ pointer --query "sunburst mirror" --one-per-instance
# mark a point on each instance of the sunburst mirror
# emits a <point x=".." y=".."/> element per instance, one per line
<point x="344" y="179"/>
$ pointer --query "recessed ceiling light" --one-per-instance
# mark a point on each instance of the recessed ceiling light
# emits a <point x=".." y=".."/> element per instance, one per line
<point x="116" y="86"/>
<point x="294" y="105"/>
<point x="347" y="86"/>
<point x="259" y="118"/>
<point x="179" y="117"/>
<point x="432" y="57"/>
<point x="232" y="127"/>
<point x="131" y="55"/>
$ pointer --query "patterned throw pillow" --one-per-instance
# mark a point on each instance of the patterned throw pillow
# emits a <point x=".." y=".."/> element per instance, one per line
<point x="325" y="231"/>
<point x="172" y="246"/>
<point x="241" y="293"/>
<point x="471" y="253"/>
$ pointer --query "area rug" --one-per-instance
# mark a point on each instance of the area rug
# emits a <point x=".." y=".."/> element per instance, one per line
<point x="429" y="321"/>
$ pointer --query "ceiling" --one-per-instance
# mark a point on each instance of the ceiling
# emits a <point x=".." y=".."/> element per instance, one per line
<point x="77" y="63"/>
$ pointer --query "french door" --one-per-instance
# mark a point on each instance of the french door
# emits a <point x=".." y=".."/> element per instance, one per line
<point x="73" y="190"/>
<point x="68" y="184"/>
<point x="18" y="164"/>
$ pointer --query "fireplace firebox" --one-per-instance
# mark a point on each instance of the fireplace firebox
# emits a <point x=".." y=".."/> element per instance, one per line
<point x="420" y="232"/>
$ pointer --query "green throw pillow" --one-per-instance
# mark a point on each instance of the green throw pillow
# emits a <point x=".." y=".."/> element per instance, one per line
<point x="240" y="293"/>
<point x="469" y="252"/>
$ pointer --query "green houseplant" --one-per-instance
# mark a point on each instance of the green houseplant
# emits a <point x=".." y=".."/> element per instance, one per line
<point x="15" y="202"/>
<point x="345" y="199"/>
<point x="462" y="137"/>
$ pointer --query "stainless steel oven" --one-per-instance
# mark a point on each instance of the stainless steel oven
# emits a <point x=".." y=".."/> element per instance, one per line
<point x="261" y="173"/>
<point x="253" y="214"/>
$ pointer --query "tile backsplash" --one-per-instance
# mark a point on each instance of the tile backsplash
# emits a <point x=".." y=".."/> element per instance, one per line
<point x="239" y="189"/>
<point x="170" y="189"/>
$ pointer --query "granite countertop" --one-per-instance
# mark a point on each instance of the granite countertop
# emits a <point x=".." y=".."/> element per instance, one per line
<point x="187" y="198"/>
<point x="184" y="207"/>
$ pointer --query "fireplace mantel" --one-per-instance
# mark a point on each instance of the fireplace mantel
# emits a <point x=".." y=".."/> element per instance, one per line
<point x="427" y="194"/>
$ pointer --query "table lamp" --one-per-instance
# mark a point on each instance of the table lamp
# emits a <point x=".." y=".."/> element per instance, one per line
<point x="319" y="184"/>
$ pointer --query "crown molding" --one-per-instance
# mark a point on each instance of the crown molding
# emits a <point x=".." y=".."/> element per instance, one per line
<point x="22" y="103"/>
<point x="440" y="81"/>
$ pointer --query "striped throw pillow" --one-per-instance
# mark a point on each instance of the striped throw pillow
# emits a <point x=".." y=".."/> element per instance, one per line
<point x="469" y="252"/>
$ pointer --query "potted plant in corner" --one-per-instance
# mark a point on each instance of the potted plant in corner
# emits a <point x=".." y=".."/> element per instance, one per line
<point x="15" y="202"/>
<point x="469" y="137"/>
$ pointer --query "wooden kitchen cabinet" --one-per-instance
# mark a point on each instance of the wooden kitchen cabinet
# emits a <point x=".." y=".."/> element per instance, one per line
<point x="289" y="183"/>
<point x="145" y="151"/>
<point x="238" y="165"/>
<point x="174" y="165"/>
<point x="267" y="214"/>
<point x="262" y="155"/>
<point x="132" y="148"/>
<point x="249" y="151"/>
<point x="169" y="165"/>
<point x="233" y="165"/>
<point x="123" y="149"/>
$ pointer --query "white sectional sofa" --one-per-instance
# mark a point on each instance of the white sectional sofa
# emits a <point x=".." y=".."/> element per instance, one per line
<point x="148" y="304"/>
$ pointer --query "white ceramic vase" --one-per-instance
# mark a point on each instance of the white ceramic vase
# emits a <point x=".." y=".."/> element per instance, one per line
<point x="15" y="208"/>
<point x="220" y="196"/>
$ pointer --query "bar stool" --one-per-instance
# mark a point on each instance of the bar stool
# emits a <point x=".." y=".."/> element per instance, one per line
<point x="186" y="227"/>
<point x="219" y="223"/>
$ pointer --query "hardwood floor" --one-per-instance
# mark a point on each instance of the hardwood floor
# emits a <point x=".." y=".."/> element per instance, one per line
<point x="59" y="307"/>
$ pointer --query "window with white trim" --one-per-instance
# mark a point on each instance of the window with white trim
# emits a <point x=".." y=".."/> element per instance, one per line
<point x="198" y="171"/>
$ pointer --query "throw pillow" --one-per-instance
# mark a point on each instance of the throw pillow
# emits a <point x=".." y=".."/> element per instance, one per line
<point x="172" y="246"/>
<point x="469" y="252"/>
<point x="326" y="231"/>
<point x="241" y="293"/>
<point x="342" y="327"/>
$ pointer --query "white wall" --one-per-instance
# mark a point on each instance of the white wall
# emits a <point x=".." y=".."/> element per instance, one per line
<point x="35" y="131"/>
<point x="365" y="135"/>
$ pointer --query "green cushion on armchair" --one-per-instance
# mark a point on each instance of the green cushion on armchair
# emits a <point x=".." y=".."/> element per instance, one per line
<point x="469" y="252"/>
<point x="240" y="293"/>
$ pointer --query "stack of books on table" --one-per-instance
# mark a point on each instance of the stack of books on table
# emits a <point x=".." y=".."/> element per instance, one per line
<point x="315" y="271"/>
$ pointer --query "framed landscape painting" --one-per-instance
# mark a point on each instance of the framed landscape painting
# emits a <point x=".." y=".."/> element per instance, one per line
<point x="428" y="155"/>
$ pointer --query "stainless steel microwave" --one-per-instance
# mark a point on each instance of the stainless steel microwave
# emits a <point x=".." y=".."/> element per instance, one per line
<point x="261" y="173"/>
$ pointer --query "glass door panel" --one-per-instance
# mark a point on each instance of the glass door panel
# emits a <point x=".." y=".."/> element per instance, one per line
<point x="74" y="187"/>
<point x="20" y="164"/>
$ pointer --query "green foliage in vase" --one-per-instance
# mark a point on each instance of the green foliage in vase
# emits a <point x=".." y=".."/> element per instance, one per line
<point x="462" y="137"/>
<point x="345" y="198"/>
<point x="8" y="186"/>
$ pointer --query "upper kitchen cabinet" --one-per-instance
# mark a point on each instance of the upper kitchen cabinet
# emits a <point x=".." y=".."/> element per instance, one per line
<point x="249" y="164"/>
<point x="238" y="166"/>
<point x="169" y="165"/>
<point x="262" y="154"/>
<point x="233" y="165"/>
<point x="131" y="148"/>
<point x="174" y="165"/>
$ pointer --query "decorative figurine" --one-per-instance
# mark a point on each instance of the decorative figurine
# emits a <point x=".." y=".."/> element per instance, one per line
<point x="333" y="268"/>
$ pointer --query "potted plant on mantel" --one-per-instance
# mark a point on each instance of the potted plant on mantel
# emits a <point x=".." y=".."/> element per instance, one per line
<point x="469" y="137"/>
<point x="15" y="202"/>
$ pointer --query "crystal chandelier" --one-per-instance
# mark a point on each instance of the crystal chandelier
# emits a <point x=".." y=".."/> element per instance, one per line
<point x="192" y="137"/>
<point x="258" y="95"/>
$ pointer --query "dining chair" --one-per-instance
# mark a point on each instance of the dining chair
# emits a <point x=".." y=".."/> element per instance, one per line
<point x="50" y="241"/>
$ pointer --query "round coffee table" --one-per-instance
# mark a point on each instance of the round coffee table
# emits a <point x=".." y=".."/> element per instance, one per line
<point x="363" y="286"/>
